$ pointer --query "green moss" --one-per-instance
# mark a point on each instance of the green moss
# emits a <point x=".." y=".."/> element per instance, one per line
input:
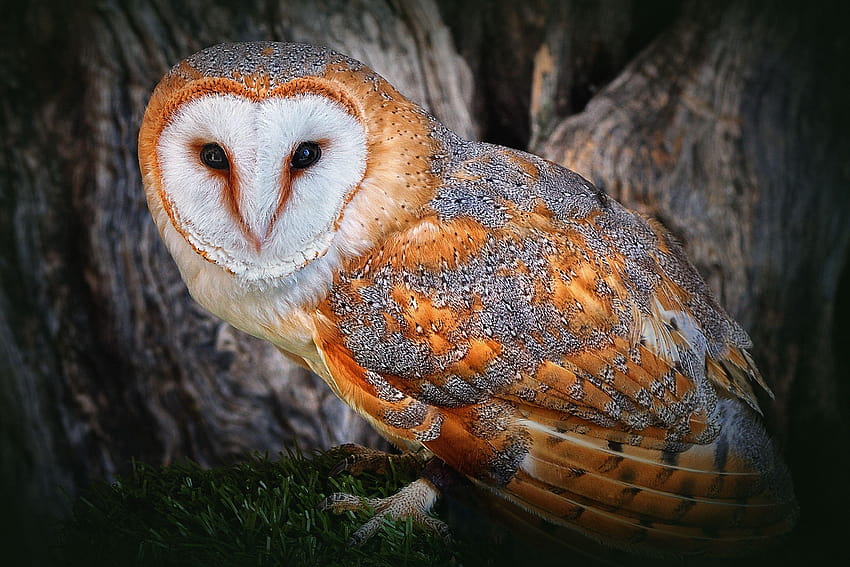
<point x="261" y="512"/>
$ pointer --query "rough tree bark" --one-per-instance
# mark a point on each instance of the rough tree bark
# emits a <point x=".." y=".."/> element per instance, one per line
<point x="724" y="121"/>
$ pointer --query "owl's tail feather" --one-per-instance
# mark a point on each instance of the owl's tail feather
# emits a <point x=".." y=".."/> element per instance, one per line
<point x="724" y="497"/>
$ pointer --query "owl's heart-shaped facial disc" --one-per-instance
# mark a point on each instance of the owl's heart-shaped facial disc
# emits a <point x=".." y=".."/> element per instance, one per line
<point x="257" y="186"/>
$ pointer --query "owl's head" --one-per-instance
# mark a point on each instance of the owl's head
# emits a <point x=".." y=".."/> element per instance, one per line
<point x="263" y="159"/>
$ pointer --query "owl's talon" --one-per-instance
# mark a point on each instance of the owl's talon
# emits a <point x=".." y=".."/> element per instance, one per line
<point x="413" y="501"/>
<point x="438" y="527"/>
<point x="366" y="531"/>
<point x="340" y="502"/>
<point x="362" y="459"/>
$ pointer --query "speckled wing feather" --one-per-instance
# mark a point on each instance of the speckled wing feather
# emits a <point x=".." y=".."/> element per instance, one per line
<point x="557" y="348"/>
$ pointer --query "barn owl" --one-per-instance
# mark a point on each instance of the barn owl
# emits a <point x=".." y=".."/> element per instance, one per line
<point x="487" y="308"/>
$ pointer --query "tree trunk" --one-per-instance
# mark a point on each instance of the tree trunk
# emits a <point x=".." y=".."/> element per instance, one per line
<point x="726" y="121"/>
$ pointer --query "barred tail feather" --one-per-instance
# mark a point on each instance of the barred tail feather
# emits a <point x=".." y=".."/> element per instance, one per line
<point x="722" y="497"/>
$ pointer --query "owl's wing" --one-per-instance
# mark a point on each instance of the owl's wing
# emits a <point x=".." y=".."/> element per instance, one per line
<point x="576" y="365"/>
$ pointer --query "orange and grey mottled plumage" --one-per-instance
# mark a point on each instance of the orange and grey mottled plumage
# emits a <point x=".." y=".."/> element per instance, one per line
<point x="480" y="302"/>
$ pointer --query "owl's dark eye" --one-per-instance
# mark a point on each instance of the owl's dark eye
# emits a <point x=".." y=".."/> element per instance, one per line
<point x="214" y="157"/>
<point x="305" y="155"/>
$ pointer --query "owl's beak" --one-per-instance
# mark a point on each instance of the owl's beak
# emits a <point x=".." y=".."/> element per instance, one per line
<point x="258" y="214"/>
<point x="258" y="235"/>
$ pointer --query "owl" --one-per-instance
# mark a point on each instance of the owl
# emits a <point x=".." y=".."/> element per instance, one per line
<point x="486" y="308"/>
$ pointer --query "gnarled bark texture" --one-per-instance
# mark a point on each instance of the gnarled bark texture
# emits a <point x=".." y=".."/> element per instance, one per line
<point x="727" y="121"/>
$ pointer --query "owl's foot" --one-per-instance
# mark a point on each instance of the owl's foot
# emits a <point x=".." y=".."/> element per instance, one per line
<point x="413" y="501"/>
<point x="361" y="459"/>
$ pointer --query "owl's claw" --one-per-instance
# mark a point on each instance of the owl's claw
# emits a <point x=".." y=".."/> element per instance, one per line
<point x="413" y="501"/>
<point x="361" y="459"/>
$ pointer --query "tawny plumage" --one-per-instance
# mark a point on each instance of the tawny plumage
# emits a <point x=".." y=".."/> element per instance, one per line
<point x="479" y="303"/>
